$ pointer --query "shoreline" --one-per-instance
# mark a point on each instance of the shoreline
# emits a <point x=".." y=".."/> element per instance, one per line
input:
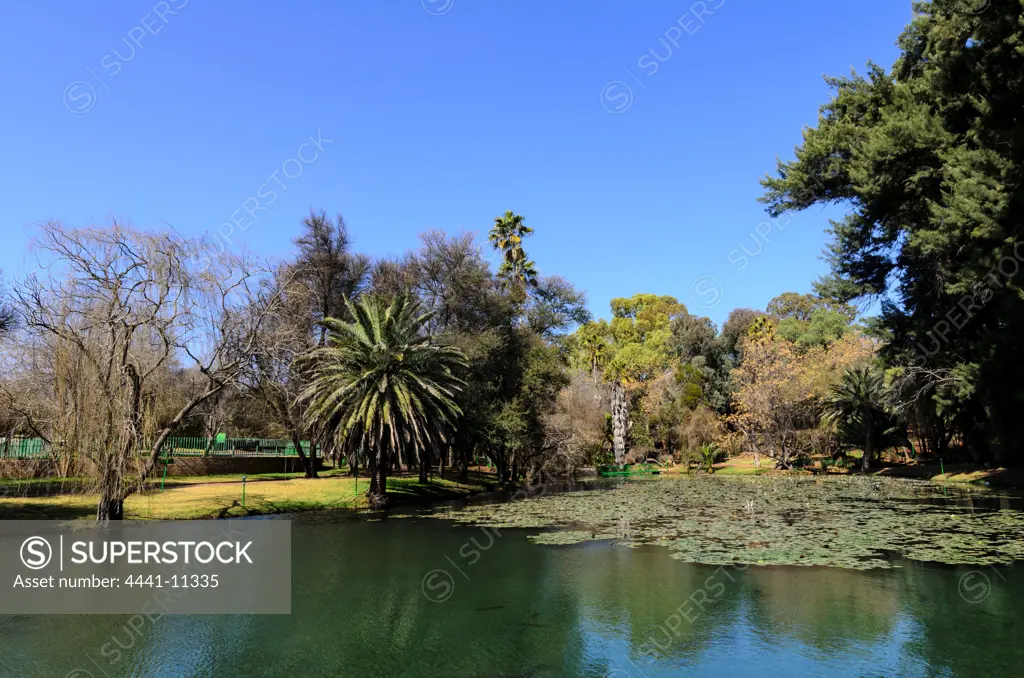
<point x="216" y="497"/>
<point x="960" y="473"/>
<point x="203" y="499"/>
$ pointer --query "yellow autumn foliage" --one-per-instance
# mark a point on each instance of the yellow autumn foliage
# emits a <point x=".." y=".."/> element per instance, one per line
<point x="779" y="387"/>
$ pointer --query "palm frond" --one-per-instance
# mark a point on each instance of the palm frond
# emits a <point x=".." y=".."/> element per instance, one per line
<point x="381" y="380"/>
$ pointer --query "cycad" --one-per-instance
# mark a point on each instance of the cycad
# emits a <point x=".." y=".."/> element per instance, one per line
<point x="382" y="382"/>
<point x="708" y="454"/>
<point x="857" y="408"/>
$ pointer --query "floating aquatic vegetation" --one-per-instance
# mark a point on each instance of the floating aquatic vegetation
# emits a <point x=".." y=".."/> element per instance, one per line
<point x="852" y="522"/>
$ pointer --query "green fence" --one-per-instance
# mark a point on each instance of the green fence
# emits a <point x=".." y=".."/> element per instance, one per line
<point x="231" y="447"/>
<point x="34" y="448"/>
<point x="22" y="448"/>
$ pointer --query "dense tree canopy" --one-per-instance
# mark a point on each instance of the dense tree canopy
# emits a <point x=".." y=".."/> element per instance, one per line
<point x="927" y="158"/>
<point x="685" y="389"/>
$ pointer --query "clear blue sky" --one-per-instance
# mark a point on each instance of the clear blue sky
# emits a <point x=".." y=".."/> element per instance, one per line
<point x="443" y="114"/>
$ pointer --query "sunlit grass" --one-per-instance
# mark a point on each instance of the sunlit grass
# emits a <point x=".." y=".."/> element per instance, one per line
<point x="223" y="498"/>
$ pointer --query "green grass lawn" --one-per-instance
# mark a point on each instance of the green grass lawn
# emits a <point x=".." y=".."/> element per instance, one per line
<point x="221" y="498"/>
<point x="237" y="477"/>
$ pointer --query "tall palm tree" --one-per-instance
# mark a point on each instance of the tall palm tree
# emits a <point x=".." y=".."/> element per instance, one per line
<point x="507" y="237"/>
<point x="857" y="407"/>
<point x="382" y="382"/>
<point x="595" y="349"/>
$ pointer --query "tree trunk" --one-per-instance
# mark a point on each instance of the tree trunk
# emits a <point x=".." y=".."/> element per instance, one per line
<point x="312" y="459"/>
<point x="424" y="464"/>
<point x="869" y="443"/>
<point x="464" y="471"/>
<point x="379" y="498"/>
<point x="286" y="416"/>
<point x="463" y="448"/>
<point x="372" y="469"/>
<point x="353" y="460"/>
<point x="309" y="465"/>
<point x="500" y="465"/>
<point x="619" y="421"/>
<point x="110" y="509"/>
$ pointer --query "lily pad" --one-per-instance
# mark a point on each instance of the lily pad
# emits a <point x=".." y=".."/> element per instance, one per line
<point x="851" y="522"/>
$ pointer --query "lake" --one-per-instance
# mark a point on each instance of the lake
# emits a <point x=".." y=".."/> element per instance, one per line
<point x="424" y="596"/>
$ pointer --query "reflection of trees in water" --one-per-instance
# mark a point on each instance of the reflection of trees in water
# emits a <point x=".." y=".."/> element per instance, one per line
<point x="826" y="608"/>
<point x="362" y="607"/>
<point x="359" y="609"/>
<point x="651" y="599"/>
<point x="980" y="638"/>
<point x="677" y="610"/>
<point x="835" y="611"/>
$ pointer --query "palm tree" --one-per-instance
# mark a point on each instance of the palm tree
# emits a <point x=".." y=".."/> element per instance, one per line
<point x="507" y="237"/>
<point x="595" y="349"/>
<point x="382" y="382"/>
<point x="620" y="420"/>
<point x="708" y="453"/>
<point x="857" y="407"/>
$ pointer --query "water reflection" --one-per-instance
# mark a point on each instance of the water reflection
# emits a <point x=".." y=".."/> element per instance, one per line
<point x="520" y="609"/>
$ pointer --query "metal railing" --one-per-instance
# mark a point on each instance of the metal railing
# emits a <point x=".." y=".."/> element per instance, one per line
<point x="35" y="448"/>
<point x="22" y="448"/>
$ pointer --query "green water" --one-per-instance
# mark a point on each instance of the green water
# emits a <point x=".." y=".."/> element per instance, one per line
<point x="424" y="597"/>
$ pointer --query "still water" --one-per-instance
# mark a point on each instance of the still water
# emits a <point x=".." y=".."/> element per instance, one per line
<point x="425" y="597"/>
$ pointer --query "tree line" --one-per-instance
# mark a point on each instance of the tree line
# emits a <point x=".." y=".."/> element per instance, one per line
<point x="926" y="160"/>
<point x="122" y="337"/>
<point x="680" y="387"/>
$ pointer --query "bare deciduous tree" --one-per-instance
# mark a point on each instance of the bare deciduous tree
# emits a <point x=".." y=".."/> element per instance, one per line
<point x="122" y="309"/>
<point x="274" y="374"/>
<point x="575" y="429"/>
<point x="7" y="315"/>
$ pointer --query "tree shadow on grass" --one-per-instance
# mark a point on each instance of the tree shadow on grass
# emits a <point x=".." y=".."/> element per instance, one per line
<point x="414" y="493"/>
<point x="40" y="511"/>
